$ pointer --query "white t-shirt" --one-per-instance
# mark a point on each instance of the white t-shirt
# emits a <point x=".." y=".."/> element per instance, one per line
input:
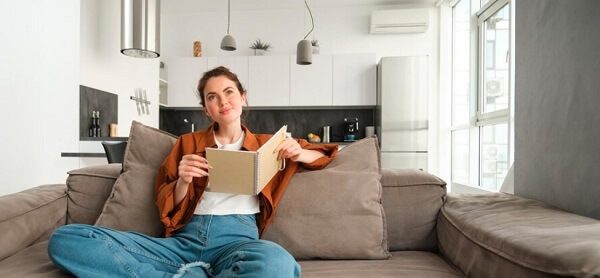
<point x="223" y="203"/>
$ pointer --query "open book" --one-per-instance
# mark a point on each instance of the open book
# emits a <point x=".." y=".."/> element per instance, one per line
<point x="244" y="172"/>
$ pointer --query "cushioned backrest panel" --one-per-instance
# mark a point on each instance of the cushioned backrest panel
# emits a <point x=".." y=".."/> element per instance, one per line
<point x="412" y="200"/>
<point x="88" y="189"/>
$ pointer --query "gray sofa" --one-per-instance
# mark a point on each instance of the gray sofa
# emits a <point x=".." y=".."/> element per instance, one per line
<point x="429" y="233"/>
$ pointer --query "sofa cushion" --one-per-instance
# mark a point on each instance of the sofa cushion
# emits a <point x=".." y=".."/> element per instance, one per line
<point x="412" y="200"/>
<point x="401" y="264"/>
<point x="519" y="237"/>
<point x="336" y="212"/>
<point x="88" y="190"/>
<point x="30" y="216"/>
<point x="131" y="205"/>
<point x="31" y="262"/>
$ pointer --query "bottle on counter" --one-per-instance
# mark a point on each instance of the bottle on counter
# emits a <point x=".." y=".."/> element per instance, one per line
<point x="92" y="130"/>
<point x="98" y="128"/>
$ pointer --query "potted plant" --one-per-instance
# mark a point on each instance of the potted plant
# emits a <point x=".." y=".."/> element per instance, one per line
<point x="260" y="47"/>
<point x="315" y="46"/>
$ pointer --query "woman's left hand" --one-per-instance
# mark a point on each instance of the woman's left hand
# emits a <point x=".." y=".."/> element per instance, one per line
<point x="289" y="148"/>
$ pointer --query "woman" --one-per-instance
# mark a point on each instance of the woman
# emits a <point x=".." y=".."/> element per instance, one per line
<point x="206" y="233"/>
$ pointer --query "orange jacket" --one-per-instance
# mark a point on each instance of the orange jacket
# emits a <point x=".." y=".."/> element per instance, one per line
<point x="175" y="217"/>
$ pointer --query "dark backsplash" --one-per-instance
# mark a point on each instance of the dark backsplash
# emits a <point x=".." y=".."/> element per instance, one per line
<point x="91" y="99"/>
<point x="300" y="122"/>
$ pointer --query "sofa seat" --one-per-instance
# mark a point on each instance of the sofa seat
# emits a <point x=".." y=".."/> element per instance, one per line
<point x="401" y="264"/>
<point x="31" y="262"/>
<point x="519" y="237"/>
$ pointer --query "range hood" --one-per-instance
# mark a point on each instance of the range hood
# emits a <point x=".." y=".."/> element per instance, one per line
<point x="140" y="28"/>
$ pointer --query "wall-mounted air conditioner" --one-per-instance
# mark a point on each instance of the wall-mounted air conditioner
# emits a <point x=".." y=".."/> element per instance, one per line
<point x="399" y="21"/>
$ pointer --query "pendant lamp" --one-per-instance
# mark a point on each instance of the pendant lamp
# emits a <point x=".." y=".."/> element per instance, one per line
<point x="140" y="28"/>
<point x="228" y="42"/>
<point x="304" y="49"/>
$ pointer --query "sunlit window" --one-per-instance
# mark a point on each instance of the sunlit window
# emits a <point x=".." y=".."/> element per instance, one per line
<point x="480" y="131"/>
<point x="496" y="60"/>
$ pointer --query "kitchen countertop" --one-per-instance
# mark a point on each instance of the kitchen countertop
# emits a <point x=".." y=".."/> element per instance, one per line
<point x="82" y="154"/>
<point x="103" y="138"/>
<point x="339" y="143"/>
<point x="90" y="154"/>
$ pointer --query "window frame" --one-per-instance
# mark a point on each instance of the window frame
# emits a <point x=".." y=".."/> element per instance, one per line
<point x="487" y="118"/>
<point x="479" y="119"/>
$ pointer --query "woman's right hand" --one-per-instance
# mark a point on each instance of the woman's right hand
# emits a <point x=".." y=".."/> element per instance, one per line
<point x="192" y="165"/>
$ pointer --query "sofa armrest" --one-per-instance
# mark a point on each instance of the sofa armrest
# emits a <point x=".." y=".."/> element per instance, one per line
<point x="88" y="190"/>
<point x="30" y="216"/>
<point x="502" y="235"/>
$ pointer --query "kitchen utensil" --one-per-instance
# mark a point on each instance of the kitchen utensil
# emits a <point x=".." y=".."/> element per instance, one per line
<point x="326" y="134"/>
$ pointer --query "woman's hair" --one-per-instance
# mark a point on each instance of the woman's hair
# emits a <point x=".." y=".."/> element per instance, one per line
<point x="218" y="71"/>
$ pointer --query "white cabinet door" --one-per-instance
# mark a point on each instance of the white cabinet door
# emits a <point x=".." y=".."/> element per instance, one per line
<point x="354" y="79"/>
<point x="311" y="85"/>
<point x="269" y="81"/>
<point x="236" y="64"/>
<point x="184" y="74"/>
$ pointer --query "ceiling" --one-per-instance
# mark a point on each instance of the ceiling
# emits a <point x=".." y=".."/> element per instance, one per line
<point x="192" y="6"/>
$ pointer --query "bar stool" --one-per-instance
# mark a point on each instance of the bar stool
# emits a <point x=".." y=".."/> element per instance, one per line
<point x="115" y="151"/>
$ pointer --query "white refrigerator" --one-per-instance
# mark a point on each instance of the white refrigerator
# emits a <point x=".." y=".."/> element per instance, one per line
<point x="401" y="114"/>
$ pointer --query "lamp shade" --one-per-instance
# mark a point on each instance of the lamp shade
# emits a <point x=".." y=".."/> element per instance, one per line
<point x="140" y="28"/>
<point x="304" y="53"/>
<point x="228" y="43"/>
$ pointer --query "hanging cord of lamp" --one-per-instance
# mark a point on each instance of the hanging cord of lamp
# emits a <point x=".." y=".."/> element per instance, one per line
<point x="228" y="42"/>
<point x="304" y="49"/>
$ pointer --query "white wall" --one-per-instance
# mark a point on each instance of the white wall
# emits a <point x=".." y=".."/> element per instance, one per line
<point x="104" y="67"/>
<point x="39" y="91"/>
<point x="49" y="48"/>
<point x="338" y="29"/>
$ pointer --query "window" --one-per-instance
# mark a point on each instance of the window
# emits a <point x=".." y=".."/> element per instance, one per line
<point x="461" y="71"/>
<point x="481" y="93"/>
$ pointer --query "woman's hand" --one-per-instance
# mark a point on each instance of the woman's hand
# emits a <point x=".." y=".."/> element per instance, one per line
<point x="289" y="148"/>
<point x="192" y="165"/>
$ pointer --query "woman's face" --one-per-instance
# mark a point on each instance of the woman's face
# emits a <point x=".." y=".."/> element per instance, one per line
<point x="223" y="101"/>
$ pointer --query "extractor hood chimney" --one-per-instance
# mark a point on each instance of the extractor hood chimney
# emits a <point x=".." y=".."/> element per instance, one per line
<point x="140" y="28"/>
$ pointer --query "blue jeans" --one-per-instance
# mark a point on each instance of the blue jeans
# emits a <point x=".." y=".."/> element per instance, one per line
<point x="208" y="246"/>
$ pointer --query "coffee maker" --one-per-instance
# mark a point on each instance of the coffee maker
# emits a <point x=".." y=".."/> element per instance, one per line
<point x="350" y="129"/>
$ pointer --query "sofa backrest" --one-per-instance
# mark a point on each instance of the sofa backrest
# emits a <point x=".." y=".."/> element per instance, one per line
<point x="412" y="200"/>
<point x="88" y="190"/>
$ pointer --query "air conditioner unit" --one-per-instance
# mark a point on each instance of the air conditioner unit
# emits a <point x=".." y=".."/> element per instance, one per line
<point x="494" y="88"/>
<point x="399" y="21"/>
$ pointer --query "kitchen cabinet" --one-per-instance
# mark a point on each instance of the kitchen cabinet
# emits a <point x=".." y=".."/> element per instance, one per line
<point x="236" y="64"/>
<point x="269" y="81"/>
<point x="354" y="79"/>
<point x="277" y="81"/>
<point x="184" y="74"/>
<point x="311" y="85"/>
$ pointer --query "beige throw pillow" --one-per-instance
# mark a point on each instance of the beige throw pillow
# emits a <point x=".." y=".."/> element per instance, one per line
<point x="131" y="205"/>
<point x="336" y="212"/>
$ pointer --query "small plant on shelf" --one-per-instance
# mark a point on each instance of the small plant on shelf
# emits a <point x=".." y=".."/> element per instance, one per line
<point x="260" y="47"/>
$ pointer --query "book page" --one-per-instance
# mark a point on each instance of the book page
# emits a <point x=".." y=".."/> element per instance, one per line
<point x="233" y="171"/>
<point x="268" y="165"/>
